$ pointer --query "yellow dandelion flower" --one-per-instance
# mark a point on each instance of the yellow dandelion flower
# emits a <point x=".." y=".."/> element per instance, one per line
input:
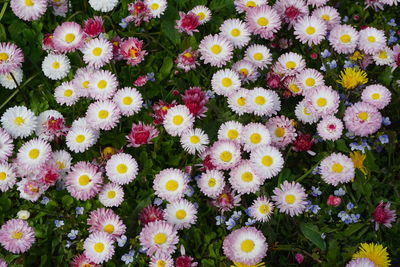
<point x="350" y="78"/>
<point x="358" y="160"/>
<point x="356" y="56"/>
<point x="375" y="253"/>
<point x="238" y="264"/>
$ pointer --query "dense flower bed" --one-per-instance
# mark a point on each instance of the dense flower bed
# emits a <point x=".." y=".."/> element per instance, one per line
<point x="199" y="133"/>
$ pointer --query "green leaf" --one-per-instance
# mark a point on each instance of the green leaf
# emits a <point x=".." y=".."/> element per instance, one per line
<point x="341" y="146"/>
<point x="166" y="68"/>
<point x="311" y="232"/>
<point x="353" y="228"/>
<point x="67" y="201"/>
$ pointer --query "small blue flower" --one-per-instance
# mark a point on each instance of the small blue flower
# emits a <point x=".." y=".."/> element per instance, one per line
<point x="323" y="68"/>
<point x="79" y="210"/>
<point x="342" y="214"/>
<point x="123" y="24"/>
<point x="349" y="206"/>
<point x="189" y="191"/>
<point x="392" y="33"/>
<point x="355" y="217"/>
<point x="392" y="23"/>
<point x="142" y="250"/>
<point x="250" y="221"/>
<point x="348" y="64"/>
<point x="315" y="191"/>
<point x="157" y="201"/>
<point x="325" y="53"/>
<point x="316" y="170"/>
<point x="122" y="240"/>
<point x="68" y="245"/>
<point x="45" y="200"/>
<point x="392" y="40"/>
<point x="345" y="19"/>
<point x="128" y="257"/>
<point x="236" y="215"/>
<point x="58" y="223"/>
<point x="210" y="94"/>
<point x="150" y="76"/>
<point x="332" y="64"/>
<point x="248" y="211"/>
<point x="72" y="235"/>
<point x="386" y="121"/>
<point x="350" y="135"/>
<point x="145" y="105"/>
<point x="230" y="223"/>
<point x="384" y="139"/>
<point x="219" y="220"/>
<point x="379" y="148"/>
<point x="339" y="193"/>
<point x="196" y="205"/>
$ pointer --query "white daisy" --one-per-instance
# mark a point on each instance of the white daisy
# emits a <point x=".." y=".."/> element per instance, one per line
<point x="230" y="130"/>
<point x="308" y="79"/>
<point x="66" y="94"/>
<point x="371" y="40"/>
<point x="111" y="195"/>
<point x="211" y="183"/>
<point x="170" y="184"/>
<point x="310" y="30"/>
<point x="238" y="101"/>
<point x="254" y="135"/>
<point x="329" y="15"/>
<point x="103" y="115"/>
<point x="103" y="85"/>
<point x="7" y="177"/>
<point x="385" y="56"/>
<point x="259" y="55"/>
<point x="261" y="209"/>
<point x="244" y="179"/>
<point x="344" y="39"/>
<point x="322" y="100"/>
<point x="203" y="12"/>
<point x="267" y="161"/>
<point x="225" y="82"/>
<point x="304" y="114"/>
<point x="7" y="81"/>
<point x="63" y="160"/>
<point x="33" y="154"/>
<point x="156" y="7"/>
<point x="247" y="70"/>
<point x="194" y="140"/>
<point x="97" y="52"/>
<point x="79" y="139"/>
<point x="121" y="168"/>
<point x="103" y="5"/>
<point x="225" y="154"/>
<point x="56" y="66"/>
<point x="128" y="100"/>
<point x="215" y="50"/>
<point x="181" y="213"/>
<point x="235" y="31"/>
<point x="19" y="121"/>
<point x="177" y="120"/>
<point x="290" y="63"/>
<point x="99" y="246"/>
<point x="6" y="145"/>
<point x="261" y="102"/>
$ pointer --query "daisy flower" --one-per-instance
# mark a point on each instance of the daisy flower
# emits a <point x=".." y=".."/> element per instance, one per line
<point x="128" y="100"/>
<point x="103" y="84"/>
<point x="290" y="63"/>
<point x="103" y="5"/>
<point x="79" y="139"/>
<point x="68" y="37"/>
<point x="254" y="135"/>
<point x="337" y="169"/>
<point x="290" y="198"/>
<point x="63" y="160"/>
<point x="156" y="7"/>
<point x="291" y="11"/>
<point x="263" y="20"/>
<point x="187" y="60"/>
<point x="158" y="260"/>
<point x="108" y="223"/>
<point x="141" y="134"/>
<point x="383" y="215"/>
<point x="66" y="94"/>
<point x="33" y="154"/>
<point x="244" y="5"/>
<point x="376" y="95"/>
<point x="385" y="56"/>
<point x="97" y="52"/>
<point x="103" y="115"/>
<point x="310" y="30"/>
<point x="322" y="101"/>
<point x="246" y="69"/>
<point x="230" y="130"/>
<point x="203" y="12"/>
<point x="317" y="3"/>
<point x="181" y="213"/>
<point x="84" y="181"/>
<point x="177" y="120"/>
<point x="28" y="10"/>
<point x="131" y="51"/>
<point x="215" y="50"/>
<point x="362" y="119"/>
<point x="291" y="83"/>
<point x="238" y="101"/>
<point x="194" y="140"/>
<point x="361" y="262"/>
<point x="225" y="154"/>
<point x="246" y="245"/>
<point x="262" y="102"/>
<point x="187" y="23"/>
<point x="330" y="128"/>
<point x="259" y="55"/>
<point x="16" y="236"/>
<point x="122" y="168"/>
<point x="7" y="81"/>
<point x="371" y="40"/>
<point x="243" y="178"/>
<point x="7" y="177"/>
<point x="6" y="145"/>
<point x="343" y="39"/>
<point x="111" y="195"/>
<point x="19" y="121"/>
<point x="235" y="31"/>
<point x="159" y="238"/>
<point x="211" y="183"/>
<point x="374" y="252"/>
<point x="329" y="15"/>
<point x="30" y="189"/>
<point x="225" y="82"/>
<point x="170" y="184"/>
<point x="56" y="66"/>
<point x="308" y="79"/>
<point x="261" y="209"/>
<point x="99" y="247"/>
<point x="281" y="130"/>
<point x="81" y="261"/>
<point x="50" y="124"/>
<point x="81" y="81"/>
<point x="266" y="161"/>
<point x="11" y="57"/>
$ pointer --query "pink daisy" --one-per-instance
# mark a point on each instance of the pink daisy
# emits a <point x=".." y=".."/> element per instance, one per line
<point x="263" y="20"/>
<point x="372" y="40"/>
<point x="211" y="183"/>
<point x="131" y="51"/>
<point x="337" y="169"/>
<point x="361" y="262"/>
<point x="11" y="57"/>
<point x="329" y="15"/>
<point x="243" y="178"/>
<point x="290" y="63"/>
<point x="330" y="128"/>
<point x="310" y="30"/>
<point x="291" y="10"/>
<point x="344" y="39"/>
<point x="187" y="60"/>
<point x="290" y="198"/>
<point x="82" y="261"/>
<point x="225" y="154"/>
<point x="141" y="134"/>
<point x="161" y="260"/>
<point x="187" y="23"/>
<point x="181" y="213"/>
<point x="16" y="236"/>
<point x="215" y="50"/>
<point x="109" y="223"/>
<point x="322" y="101"/>
<point x="30" y="189"/>
<point x="7" y="176"/>
<point x="317" y="3"/>
<point x="377" y="95"/>
<point x="159" y="237"/>
<point x="68" y="37"/>
<point x="245" y="5"/>
<point x="170" y="184"/>
<point x="281" y="130"/>
<point x="29" y="10"/>
<point x="383" y="215"/>
<point x="6" y="145"/>
<point x="362" y="119"/>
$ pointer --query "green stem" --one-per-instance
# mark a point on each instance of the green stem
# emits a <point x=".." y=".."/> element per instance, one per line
<point x="3" y="10"/>
<point x="308" y="172"/>
<point x="297" y="250"/>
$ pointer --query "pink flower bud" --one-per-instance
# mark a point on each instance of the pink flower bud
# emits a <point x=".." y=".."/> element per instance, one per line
<point x="299" y="258"/>
<point x="333" y="201"/>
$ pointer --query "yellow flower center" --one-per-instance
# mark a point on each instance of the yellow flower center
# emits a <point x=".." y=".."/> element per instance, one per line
<point x="99" y="247"/>
<point x="216" y="49"/>
<point x="55" y="65"/>
<point x="3" y="176"/>
<point x="226" y="156"/>
<point x="260" y="100"/>
<point x="371" y="39"/>
<point x="310" y="30"/>
<point x="3" y="56"/>
<point x="122" y="168"/>
<point x="34" y="153"/>
<point x="83" y="180"/>
<point x="244" y="71"/>
<point x="325" y="17"/>
<point x="103" y="114"/>
<point x="187" y="55"/>
<point x="241" y="101"/>
<point x="85" y="84"/>
<point x="226" y="82"/>
<point x="247" y="245"/>
<point x="171" y="185"/>
<point x="211" y="182"/>
<point x="127" y="100"/>
<point x="267" y="161"/>
<point x="29" y="3"/>
<point x="177" y="120"/>
<point x="160" y="238"/>
<point x="290" y="65"/>
<point x="70" y="37"/>
<point x="321" y="102"/>
<point x="363" y="115"/>
<point x="68" y="92"/>
<point x="290" y="199"/>
<point x="17" y="235"/>
<point x="161" y="263"/>
<point x="262" y="22"/>
<point x="154" y="6"/>
<point x="337" y="167"/>
<point x="194" y="139"/>
<point x="247" y="177"/>
<point x="180" y="214"/>
<point x="60" y="165"/>
<point x="258" y="56"/>
<point x="279" y="132"/>
<point x="293" y="87"/>
<point x="375" y="96"/>
<point x="233" y="134"/>
<point x="251" y="4"/>
<point x="80" y="138"/>
<point x="97" y="51"/>
<point x="109" y="228"/>
<point x="263" y="209"/>
<point x="383" y="54"/>
<point x="255" y="138"/>
<point x="111" y="194"/>
<point x="345" y="38"/>
<point x="306" y="112"/>
<point x="102" y="84"/>
<point x="235" y="32"/>
<point x="201" y="16"/>
<point x="310" y="82"/>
